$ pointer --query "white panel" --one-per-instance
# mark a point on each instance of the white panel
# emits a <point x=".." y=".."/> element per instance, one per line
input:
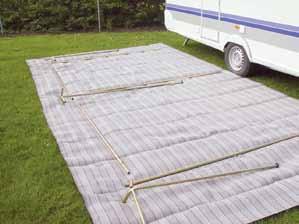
<point x="177" y="24"/>
<point x="207" y="33"/>
<point x="285" y="12"/>
<point x="275" y="57"/>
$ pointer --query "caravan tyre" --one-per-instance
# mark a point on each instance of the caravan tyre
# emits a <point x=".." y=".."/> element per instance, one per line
<point x="237" y="60"/>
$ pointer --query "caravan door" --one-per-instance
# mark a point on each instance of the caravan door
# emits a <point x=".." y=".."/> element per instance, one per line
<point x="210" y="19"/>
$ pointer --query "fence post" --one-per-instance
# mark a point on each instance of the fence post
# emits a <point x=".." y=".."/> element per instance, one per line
<point x="99" y="14"/>
<point x="1" y="27"/>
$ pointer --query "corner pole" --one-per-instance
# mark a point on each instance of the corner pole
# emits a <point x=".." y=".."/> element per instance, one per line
<point x="105" y="141"/>
<point x="166" y="184"/>
<point x="205" y="163"/>
<point x="142" y="220"/>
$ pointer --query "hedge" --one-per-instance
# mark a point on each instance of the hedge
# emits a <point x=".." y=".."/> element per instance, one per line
<point x="78" y="15"/>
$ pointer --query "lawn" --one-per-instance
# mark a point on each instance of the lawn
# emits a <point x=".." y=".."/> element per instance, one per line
<point x="35" y="184"/>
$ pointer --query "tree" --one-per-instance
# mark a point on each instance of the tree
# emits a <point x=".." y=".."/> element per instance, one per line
<point x="69" y="15"/>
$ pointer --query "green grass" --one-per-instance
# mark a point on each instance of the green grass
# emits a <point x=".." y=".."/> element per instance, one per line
<point x="35" y="184"/>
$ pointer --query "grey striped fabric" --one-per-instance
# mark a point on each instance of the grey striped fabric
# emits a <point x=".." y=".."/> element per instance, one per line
<point x="156" y="130"/>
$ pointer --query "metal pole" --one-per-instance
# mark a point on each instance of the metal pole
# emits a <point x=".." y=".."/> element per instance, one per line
<point x="195" y="166"/>
<point x="125" y="199"/>
<point x="1" y="27"/>
<point x="186" y="41"/>
<point x="151" y="84"/>
<point x="99" y="14"/>
<point x="142" y="220"/>
<point x="83" y="54"/>
<point x="122" y="89"/>
<point x="105" y="141"/>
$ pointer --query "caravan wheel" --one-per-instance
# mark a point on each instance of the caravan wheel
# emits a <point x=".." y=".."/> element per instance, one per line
<point x="237" y="60"/>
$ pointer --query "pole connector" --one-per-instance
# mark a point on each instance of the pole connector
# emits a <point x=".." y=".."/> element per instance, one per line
<point x="129" y="192"/>
<point x="62" y="99"/>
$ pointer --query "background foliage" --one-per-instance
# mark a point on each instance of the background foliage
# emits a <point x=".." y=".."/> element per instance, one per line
<point x="78" y="15"/>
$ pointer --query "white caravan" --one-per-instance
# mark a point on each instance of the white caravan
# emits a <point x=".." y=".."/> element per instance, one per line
<point x="248" y="31"/>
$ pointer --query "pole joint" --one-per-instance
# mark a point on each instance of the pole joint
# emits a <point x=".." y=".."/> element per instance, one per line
<point x="62" y="98"/>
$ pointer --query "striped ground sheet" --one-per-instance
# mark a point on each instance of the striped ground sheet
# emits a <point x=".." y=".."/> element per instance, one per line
<point x="187" y="111"/>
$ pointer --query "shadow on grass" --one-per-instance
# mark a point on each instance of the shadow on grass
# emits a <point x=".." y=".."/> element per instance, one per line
<point x="282" y="82"/>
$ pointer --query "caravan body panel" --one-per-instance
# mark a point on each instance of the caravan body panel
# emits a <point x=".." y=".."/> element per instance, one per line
<point x="268" y="30"/>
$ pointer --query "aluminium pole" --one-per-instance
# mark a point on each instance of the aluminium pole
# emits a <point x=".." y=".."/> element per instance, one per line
<point x="165" y="184"/>
<point x="205" y="163"/>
